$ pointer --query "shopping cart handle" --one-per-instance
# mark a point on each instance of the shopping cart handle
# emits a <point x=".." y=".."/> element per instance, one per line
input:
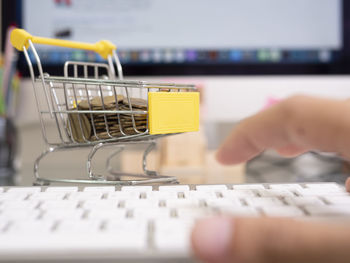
<point x="20" y="39"/>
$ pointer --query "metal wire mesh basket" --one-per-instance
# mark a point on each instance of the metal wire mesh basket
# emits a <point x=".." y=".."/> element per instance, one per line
<point x="92" y="106"/>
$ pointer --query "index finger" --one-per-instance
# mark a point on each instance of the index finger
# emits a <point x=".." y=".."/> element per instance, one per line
<point x="300" y="123"/>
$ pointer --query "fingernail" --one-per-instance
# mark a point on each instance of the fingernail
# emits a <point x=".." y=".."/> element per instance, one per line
<point x="212" y="237"/>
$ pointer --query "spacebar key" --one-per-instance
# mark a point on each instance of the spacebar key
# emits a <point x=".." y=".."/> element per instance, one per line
<point x="173" y="235"/>
<point x="128" y="234"/>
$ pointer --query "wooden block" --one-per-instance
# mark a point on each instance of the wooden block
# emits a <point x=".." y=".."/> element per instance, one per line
<point x="131" y="161"/>
<point x="187" y="149"/>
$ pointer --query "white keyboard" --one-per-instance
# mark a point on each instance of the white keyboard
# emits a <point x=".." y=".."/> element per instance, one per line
<point x="140" y="222"/>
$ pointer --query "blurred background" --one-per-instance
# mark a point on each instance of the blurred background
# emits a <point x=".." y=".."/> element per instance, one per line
<point x="243" y="55"/>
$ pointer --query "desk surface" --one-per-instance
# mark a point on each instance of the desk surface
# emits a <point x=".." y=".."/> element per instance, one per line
<point x="72" y="163"/>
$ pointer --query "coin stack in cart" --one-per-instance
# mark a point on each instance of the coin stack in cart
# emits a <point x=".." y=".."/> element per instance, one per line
<point x="98" y="126"/>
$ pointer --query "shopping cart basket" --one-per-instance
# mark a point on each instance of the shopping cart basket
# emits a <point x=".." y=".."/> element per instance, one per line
<point x="92" y="106"/>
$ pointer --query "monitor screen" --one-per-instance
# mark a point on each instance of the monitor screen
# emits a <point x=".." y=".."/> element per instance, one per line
<point x="194" y="36"/>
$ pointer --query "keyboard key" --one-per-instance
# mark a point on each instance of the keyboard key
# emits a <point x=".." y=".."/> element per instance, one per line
<point x="327" y="210"/>
<point x="106" y="214"/>
<point x="101" y="189"/>
<point x="131" y="226"/>
<point x="118" y="195"/>
<point x="173" y="235"/>
<point x="4" y="223"/>
<point x="18" y="214"/>
<point x="62" y="214"/>
<point x="43" y="196"/>
<point x="182" y="203"/>
<point x="304" y="200"/>
<point x="20" y="196"/>
<point x="238" y="193"/>
<point x="203" y="195"/>
<point x="30" y="227"/>
<point x="162" y="195"/>
<point x="325" y="189"/>
<point x="128" y="234"/>
<point x="56" y="204"/>
<point x="140" y="189"/>
<point x="320" y="192"/>
<point x="223" y="203"/>
<point x="144" y="203"/>
<point x="176" y="188"/>
<point x="338" y="200"/>
<point x="100" y="204"/>
<point x="263" y="201"/>
<point x="79" y="227"/>
<point x="151" y="213"/>
<point x="67" y="189"/>
<point x="193" y="214"/>
<point x="81" y="196"/>
<point x="33" y="189"/>
<point x="239" y="211"/>
<point x="282" y="211"/>
<point x="288" y="187"/>
<point x="248" y="187"/>
<point x="274" y="193"/>
<point x="220" y="187"/>
<point x="325" y="186"/>
<point x="19" y="205"/>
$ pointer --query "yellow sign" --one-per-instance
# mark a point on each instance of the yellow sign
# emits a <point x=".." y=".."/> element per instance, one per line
<point x="173" y="112"/>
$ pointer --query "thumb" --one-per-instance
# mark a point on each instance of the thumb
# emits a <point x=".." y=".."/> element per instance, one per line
<point x="269" y="240"/>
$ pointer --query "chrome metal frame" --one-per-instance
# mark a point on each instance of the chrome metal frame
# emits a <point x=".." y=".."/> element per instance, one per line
<point x="63" y="94"/>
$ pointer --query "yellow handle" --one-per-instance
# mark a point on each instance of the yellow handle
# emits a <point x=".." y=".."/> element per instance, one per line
<point x="20" y="37"/>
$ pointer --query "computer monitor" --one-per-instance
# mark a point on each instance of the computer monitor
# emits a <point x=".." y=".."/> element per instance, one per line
<point x="197" y="37"/>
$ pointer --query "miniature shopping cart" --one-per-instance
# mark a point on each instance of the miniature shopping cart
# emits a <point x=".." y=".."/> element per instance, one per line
<point x="92" y="106"/>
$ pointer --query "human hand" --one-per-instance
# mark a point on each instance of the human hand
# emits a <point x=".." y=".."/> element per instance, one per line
<point x="291" y="127"/>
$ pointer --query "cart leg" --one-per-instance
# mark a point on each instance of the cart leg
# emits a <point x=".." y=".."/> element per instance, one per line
<point x="109" y="167"/>
<point x="88" y="163"/>
<point x="116" y="175"/>
<point x="150" y="177"/>
<point x="38" y="180"/>
<point x="150" y="147"/>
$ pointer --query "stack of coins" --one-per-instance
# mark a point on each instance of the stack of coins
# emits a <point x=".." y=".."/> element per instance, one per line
<point x="98" y="126"/>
